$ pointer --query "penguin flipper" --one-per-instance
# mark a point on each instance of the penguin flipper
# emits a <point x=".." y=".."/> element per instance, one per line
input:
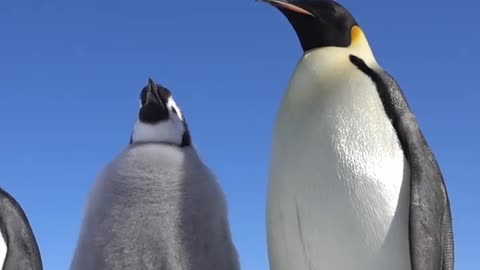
<point x="23" y="252"/>
<point x="430" y="224"/>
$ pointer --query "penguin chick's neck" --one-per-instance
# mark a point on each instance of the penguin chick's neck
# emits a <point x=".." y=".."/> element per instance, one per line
<point x="171" y="129"/>
<point x="160" y="119"/>
<point x="167" y="132"/>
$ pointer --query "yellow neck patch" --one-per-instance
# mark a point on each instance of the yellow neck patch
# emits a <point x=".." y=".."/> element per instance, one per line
<point x="359" y="46"/>
<point x="357" y="35"/>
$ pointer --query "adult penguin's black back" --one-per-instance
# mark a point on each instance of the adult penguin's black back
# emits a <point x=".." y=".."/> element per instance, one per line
<point x="322" y="149"/>
<point x="20" y="245"/>
<point x="431" y="229"/>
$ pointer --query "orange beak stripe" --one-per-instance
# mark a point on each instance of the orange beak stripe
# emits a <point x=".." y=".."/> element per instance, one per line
<point x="289" y="7"/>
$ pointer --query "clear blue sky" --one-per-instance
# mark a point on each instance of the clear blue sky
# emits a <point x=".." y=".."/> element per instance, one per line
<point x="71" y="72"/>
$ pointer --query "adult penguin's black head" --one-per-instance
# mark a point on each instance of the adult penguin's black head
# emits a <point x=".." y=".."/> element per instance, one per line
<point x="320" y="23"/>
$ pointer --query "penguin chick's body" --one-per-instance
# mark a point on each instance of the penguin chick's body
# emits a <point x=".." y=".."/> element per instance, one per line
<point x="156" y="206"/>
<point x="353" y="183"/>
<point x="18" y="246"/>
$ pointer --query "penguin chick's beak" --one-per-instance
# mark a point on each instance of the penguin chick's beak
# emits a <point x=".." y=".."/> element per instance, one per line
<point x="283" y="4"/>
<point x="153" y="96"/>
<point x="153" y="108"/>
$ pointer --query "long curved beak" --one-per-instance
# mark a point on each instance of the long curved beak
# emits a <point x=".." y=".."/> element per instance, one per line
<point x="286" y="5"/>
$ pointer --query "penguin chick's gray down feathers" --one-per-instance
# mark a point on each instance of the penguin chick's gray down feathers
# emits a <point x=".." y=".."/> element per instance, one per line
<point x="157" y="205"/>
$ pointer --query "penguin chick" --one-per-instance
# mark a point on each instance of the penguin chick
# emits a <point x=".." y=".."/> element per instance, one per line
<point x="156" y="205"/>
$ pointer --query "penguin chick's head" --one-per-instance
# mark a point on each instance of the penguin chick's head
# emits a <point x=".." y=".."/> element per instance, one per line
<point x="320" y="23"/>
<point x="160" y="120"/>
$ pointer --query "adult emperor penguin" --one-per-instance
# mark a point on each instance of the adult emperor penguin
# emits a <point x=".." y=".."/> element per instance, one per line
<point x="353" y="182"/>
<point x="157" y="205"/>
<point x="18" y="246"/>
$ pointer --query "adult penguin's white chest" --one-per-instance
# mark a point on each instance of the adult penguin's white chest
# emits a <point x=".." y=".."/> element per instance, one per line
<point x="339" y="182"/>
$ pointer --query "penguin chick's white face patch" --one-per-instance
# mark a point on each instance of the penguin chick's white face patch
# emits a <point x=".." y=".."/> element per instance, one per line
<point x="3" y="250"/>
<point x="170" y="130"/>
<point x="172" y="106"/>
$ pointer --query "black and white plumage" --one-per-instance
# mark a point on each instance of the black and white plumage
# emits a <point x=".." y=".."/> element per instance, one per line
<point x="160" y="119"/>
<point x="353" y="184"/>
<point x="18" y="246"/>
<point x="157" y="205"/>
<point x="430" y="223"/>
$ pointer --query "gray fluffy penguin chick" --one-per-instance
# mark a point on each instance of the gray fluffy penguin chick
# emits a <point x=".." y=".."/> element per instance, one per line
<point x="156" y="205"/>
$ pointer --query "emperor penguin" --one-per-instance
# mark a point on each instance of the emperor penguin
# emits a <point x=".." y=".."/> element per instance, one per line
<point x="353" y="183"/>
<point x="18" y="246"/>
<point x="156" y="205"/>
